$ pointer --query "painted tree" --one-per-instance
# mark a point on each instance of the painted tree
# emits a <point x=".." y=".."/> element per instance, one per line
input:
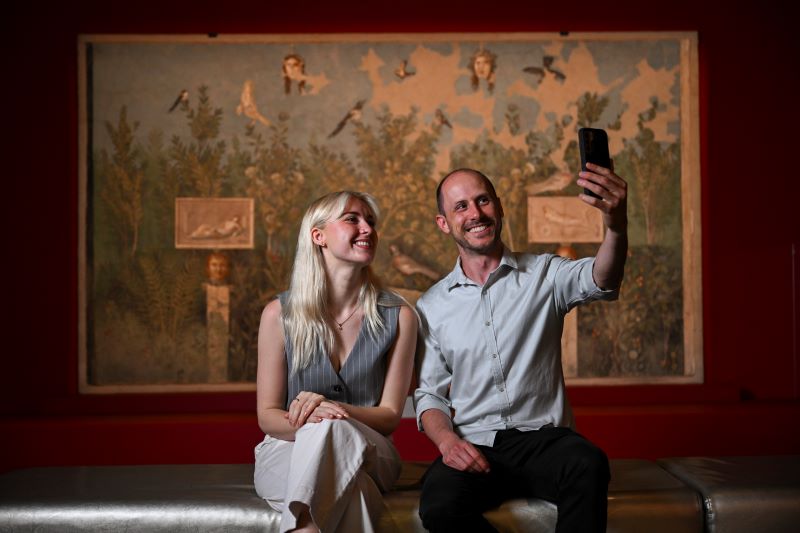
<point x="653" y="172"/>
<point x="197" y="166"/>
<point x="396" y="158"/>
<point x="120" y="176"/>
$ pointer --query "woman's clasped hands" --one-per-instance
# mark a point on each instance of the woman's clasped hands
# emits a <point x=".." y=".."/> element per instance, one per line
<point x="313" y="407"/>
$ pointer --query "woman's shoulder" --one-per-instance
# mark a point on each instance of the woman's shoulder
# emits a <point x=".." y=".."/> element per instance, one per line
<point x="274" y="308"/>
<point x="281" y="297"/>
<point x="406" y="311"/>
<point x="387" y="298"/>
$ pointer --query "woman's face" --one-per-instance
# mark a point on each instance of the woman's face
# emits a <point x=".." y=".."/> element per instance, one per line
<point x="351" y="237"/>
<point x="293" y="68"/>
<point x="482" y="66"/>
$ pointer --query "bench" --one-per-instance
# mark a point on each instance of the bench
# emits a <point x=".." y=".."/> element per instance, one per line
<point x="221" y="498"/>
<point x="743" y="494"/>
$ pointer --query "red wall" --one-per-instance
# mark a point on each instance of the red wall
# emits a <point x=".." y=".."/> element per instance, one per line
<point x="748" y="93"/>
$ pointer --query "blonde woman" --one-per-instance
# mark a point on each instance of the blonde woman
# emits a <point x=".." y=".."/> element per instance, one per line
<point x="335" y="357"/>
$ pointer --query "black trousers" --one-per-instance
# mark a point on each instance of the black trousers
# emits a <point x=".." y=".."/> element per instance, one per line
<point x="554" y="464"/>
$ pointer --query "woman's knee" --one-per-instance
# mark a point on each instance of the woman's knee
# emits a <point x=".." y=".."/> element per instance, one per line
<point x="333" y="439"/>
<point x="336" y="430"/>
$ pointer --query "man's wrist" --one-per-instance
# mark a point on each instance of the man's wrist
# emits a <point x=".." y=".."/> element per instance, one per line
<point x="447" y="442"/>
<point x="619" y="230"/>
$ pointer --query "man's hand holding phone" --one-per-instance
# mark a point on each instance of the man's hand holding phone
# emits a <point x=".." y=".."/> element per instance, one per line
<point x="597" y="173"/>
<point x="593" y="145"/>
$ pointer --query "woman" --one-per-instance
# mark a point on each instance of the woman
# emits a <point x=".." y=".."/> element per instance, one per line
<point x="335" y="357"/>
<point x="483" y="64"/>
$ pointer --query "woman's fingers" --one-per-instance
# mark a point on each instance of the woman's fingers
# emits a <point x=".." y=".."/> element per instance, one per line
<point x="302" y="407"/>
<point x="302" y="411"/>
<point x="330" y="410"/>
<point x="335" y="408"/>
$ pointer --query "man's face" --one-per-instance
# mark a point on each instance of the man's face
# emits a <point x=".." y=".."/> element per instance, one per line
<point x="472" y="214"/>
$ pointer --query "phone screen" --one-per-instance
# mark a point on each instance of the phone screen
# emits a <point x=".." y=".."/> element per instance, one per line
<point x="593" y="144"/>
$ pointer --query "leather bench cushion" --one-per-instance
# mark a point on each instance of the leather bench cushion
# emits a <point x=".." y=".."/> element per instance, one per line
<point x="744" y="494"/>
<point x="153" y="498"/>
<point x="212" y="498"/>
<point x="643" y="497"/>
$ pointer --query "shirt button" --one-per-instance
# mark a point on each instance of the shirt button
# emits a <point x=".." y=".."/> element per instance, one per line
<point x="501" y="389"/>
<point x="494" y="356"/>
<point x="337" y="388"/>
<point x="488" y="323"/>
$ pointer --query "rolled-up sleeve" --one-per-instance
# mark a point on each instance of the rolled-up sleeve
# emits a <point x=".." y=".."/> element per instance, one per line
<point x="434" y="373"/>
<point x="574" y="283"/>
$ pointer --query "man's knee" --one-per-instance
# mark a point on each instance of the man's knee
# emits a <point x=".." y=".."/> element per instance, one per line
<point x="436" y="514"/>
<point x="441" y="516"/>
<point x="597" y="465"/>
<point x="454" y="501"/>
<point x="438" y="500"/>
<point x="587" y="464"/>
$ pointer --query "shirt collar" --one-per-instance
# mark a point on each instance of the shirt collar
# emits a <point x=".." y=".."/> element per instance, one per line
<point x="456" y="277"/>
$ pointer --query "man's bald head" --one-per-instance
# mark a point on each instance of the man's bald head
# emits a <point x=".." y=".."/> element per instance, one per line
<point x="481" y="175"/>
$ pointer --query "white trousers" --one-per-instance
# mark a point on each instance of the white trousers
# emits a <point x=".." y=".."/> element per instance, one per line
<point x="337" y="468"/>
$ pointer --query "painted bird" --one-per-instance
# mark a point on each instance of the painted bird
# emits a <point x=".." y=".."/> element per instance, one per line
<point x="547" y="66"/>
<point x="353" y="115"/>
<point x="247" y="105"/>
<point x="183" y="96"/>
<point x="441" y="119"/>
<point x="402" y="71"/>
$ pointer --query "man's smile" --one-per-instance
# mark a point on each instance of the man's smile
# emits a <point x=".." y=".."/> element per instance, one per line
<point x="483" y="226"/>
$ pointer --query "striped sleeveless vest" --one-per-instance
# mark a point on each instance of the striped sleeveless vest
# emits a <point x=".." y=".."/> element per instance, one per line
<point x="360" y="380"/>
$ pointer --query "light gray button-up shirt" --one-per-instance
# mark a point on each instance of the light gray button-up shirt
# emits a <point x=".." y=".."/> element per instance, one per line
<point x="492" y="353"/>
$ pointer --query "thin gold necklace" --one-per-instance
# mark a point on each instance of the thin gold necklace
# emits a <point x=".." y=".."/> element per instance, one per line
<point x="340" y="324"/>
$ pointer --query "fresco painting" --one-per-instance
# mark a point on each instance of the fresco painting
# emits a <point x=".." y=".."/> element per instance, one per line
<point x="199" y="155"/>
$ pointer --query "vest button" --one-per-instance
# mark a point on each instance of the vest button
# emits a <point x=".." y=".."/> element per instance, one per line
<point x="337" y="388"/>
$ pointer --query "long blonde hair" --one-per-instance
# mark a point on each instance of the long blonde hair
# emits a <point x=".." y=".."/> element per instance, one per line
<point x="306" y="314"/>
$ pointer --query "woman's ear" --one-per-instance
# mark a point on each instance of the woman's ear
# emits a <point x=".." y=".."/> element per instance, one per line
<point x="317" y="237"/>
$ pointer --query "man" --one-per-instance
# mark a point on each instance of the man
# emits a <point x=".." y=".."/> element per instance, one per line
<point x="491" y="394"/>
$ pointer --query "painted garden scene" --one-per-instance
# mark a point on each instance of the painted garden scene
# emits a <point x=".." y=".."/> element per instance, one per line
<point x="201" y="154"/>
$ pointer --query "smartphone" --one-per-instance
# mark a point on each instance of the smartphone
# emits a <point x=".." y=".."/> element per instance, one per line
<point x="593" y="144"/>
